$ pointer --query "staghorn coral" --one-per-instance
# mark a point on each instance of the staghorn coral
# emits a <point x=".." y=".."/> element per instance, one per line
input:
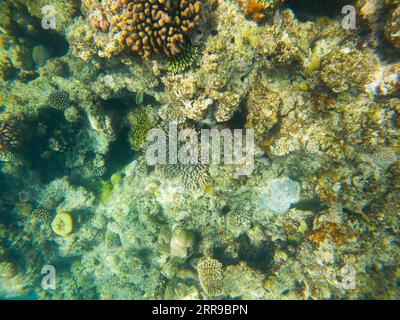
<point x="210" y="276"/>
<point x="148" y="28"/>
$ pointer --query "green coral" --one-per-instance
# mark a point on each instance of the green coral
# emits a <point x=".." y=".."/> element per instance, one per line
<point x="182" y="61"/>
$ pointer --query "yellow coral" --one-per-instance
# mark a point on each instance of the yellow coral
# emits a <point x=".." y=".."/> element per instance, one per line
<point x="62" y="224"/>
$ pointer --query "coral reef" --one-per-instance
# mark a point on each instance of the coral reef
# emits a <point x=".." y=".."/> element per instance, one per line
<point x="316" y="219"/>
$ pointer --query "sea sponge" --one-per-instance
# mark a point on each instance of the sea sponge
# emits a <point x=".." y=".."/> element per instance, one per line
<point x="280" y="194"/>
<point x="181" y="243"/>
<point x="10" y="137"/>
<point x="58" y="99"/>
<point x="62" y="224"/>
<point x="148" y="27"/>
<point x="210" y="275"/>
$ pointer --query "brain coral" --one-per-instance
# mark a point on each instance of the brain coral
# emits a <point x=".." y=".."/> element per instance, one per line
<point x="148" y="27"/>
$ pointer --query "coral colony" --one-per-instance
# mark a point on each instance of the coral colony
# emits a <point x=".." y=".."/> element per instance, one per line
<point x="199" y="149"/>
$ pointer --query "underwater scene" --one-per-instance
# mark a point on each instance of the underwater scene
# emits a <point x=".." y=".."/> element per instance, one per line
<point x="199" y="149"/>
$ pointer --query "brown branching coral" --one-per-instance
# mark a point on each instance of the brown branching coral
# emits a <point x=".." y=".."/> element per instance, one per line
<point x="148" y="27"/>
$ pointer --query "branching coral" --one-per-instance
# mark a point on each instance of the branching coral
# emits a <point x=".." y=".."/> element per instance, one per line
<point x="148" y="27"/>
